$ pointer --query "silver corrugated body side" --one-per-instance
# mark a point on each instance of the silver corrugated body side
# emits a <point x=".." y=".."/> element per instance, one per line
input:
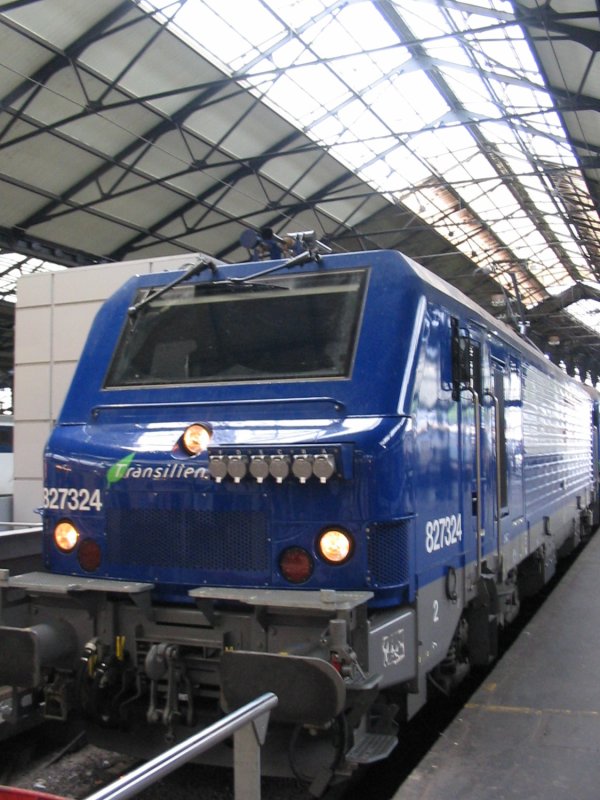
<point x="557" y="441"/>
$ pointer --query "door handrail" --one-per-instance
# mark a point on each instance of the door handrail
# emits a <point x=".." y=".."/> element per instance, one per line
<point x="476" y="406"/>
<point x="496" y="402"/>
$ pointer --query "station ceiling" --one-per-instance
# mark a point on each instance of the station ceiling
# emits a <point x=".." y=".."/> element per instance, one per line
<point x="464" y="134"/>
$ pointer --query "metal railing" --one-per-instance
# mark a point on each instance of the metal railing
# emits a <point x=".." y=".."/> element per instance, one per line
<point x="248" y="725"/>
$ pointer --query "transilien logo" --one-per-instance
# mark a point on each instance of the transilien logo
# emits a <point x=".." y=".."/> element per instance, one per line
<point x="118" y="470"/>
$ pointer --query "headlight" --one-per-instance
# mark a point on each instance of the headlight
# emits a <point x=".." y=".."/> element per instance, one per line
<point x="237" y="468"/>
<point x="259" y="468"/>
<point x="217" y="466"/>
<point x="66" y="536"/>
<point x="324" y="467"/>
<point x="196" y="439"/>
<point x="279" y="467"/>
<point x="302" y="467"/>
<point x="335" y="545"/>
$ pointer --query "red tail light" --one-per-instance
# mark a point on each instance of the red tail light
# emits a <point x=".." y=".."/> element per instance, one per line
<point x="89" y="555"/>
<point x="296" y="565"/>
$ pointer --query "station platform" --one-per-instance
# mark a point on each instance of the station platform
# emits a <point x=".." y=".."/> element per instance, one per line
<point x="21" y="548"/>
<point x="532" y="729"/>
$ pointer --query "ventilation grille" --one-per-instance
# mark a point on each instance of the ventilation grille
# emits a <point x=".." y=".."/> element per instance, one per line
<point x="232" y="541"/>
<point x="389" y="553"/>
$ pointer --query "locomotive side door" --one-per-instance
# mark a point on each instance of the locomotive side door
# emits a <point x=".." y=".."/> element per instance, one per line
<point x="480" y="390"/>
<point x="487" y="388"/>
<point x="491" y="413"/>
<point x="495" y="401"/>
<point x="503" y="394"/>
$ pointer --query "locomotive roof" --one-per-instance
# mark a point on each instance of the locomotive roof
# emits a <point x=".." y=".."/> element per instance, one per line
<point x="494" y="325"/>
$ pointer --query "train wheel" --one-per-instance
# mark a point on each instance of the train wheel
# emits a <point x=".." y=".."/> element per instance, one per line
<point x="456" y="665"/>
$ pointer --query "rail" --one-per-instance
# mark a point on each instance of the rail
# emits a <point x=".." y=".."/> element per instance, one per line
<point x="248" y="726"/>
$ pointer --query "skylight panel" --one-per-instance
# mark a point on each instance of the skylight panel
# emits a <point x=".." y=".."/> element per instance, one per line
<point x="327" y="129"/>
<point x="441" y="149"/>
<point x="524" y="97"/>
<point x="521" y="223"/>
<point x="331" y="89"/>
<point x="448" y="50"/>
<point x="354" y="152"/>
<point x="471" y="191"/>
<point x="521" y="237"/>
<point x="10" y="261"/>
<point x="554" y="279"/>
<point x="358" y="71"/>
<point x="588" y="312"/>
<point x="299" y="12"/>
<point x="495" y="203"/>
<point x="535" y="241"/>
<point x="476" y="163"/>
<point x="366" y="26"/>
<point x="410" y="170"/>
<point x="424" y="19"/>
<point x="379" y="173"/>
<point x="407" y="102"/>
<point x="546" y="266"/>
<point x="15" y="265"/>
<point x="195" y="16"/>
<point x="357" y="117"/>
<point x="503" y="137"/>
<point x="285" y="90"/>
<point x="328" y="39"/>
<point x="472" y="93"/>
<point x="459" y="174"/>
<point x="248" y="16"/>
<point x="534" y="121"/>
<point x="290" y="54"/>
<point x="496" y="39"/>
<point x="511" y="228"/>
<point x="545" y="150"/>
<point x="251" y="27"/>
<point x="535" y="186"/>
<point x="586" y="272"/>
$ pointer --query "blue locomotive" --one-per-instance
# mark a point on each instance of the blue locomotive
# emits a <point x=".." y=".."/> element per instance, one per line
<point x="331" y="476"/>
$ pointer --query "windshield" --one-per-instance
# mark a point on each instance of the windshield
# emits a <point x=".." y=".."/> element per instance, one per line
<point x="304" y="327"/>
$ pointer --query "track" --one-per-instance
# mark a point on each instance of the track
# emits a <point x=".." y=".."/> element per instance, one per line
<point x="76" y="769"/>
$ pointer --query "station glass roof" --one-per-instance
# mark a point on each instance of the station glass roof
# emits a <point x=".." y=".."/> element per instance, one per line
<point x="463" y="133"/>
<point x="427" y="102"/>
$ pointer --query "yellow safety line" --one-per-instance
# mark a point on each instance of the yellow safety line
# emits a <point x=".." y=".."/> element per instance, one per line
<point x="531" y="711"/>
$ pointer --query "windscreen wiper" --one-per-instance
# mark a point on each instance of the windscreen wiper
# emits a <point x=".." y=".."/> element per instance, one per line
<point x="193" y="269"/>
<point x="235" y="285"/>
<point x="247" y="283"/>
